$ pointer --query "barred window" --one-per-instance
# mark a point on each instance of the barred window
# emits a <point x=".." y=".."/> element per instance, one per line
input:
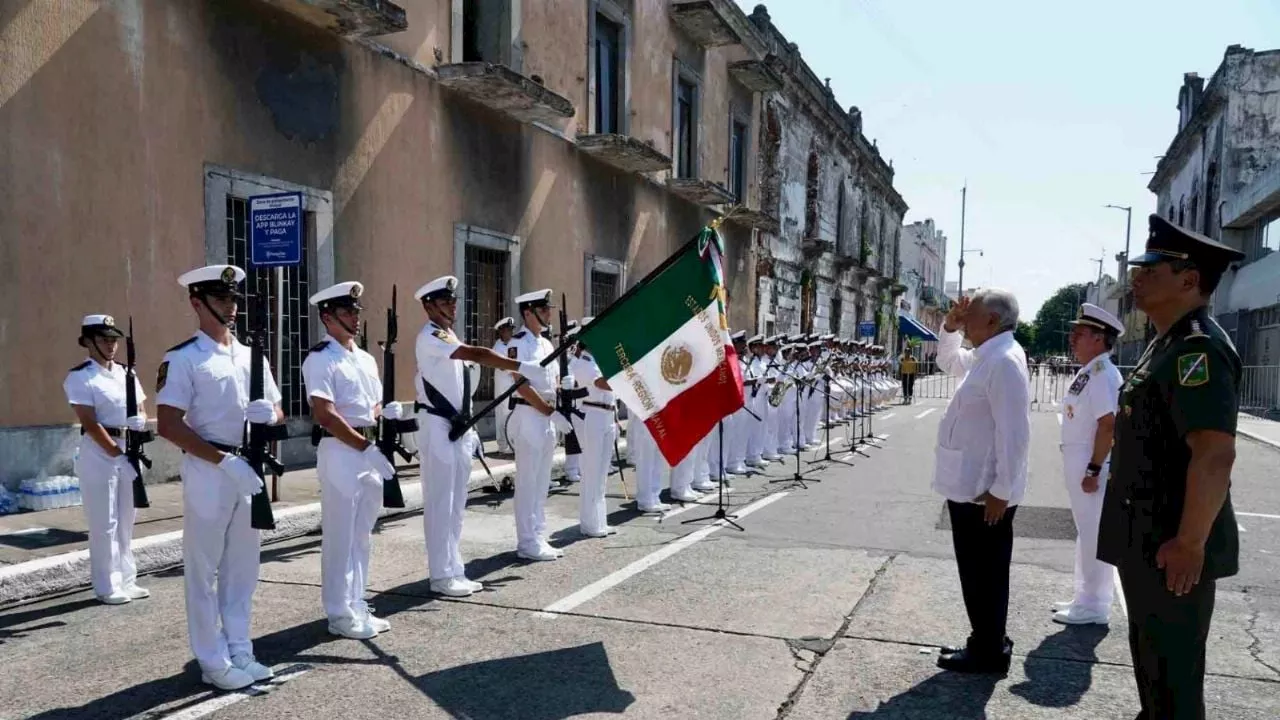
<point x="485" y="283"/>
<point x="604" y="290"/>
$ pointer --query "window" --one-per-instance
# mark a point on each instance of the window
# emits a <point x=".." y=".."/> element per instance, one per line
<point x="738" y="140"/>
<point x="486" y="29"/>
<point x="836" y="309"/>
<point x="686" y="128"/>
<point x="608" y="57"/>
<point x="811" y="197"/>
<point x="287" y="311"/>
<point x="604" y="290"/>
<point x="485" y="287"/>
<point x="1269" y="235"/>
<point x="841" y="235"/>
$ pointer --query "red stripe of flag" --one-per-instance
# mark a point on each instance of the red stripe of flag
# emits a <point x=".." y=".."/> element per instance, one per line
<point x="689" y="416"/>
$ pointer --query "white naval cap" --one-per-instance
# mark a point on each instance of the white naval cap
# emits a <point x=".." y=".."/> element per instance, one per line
<point x="218" y="279"/>
<point x="816" y="344"/>
<point x="344" y="294"/>
<point x="441" y="287"/>
<point x="101" y="325"/>
<point x="1096" y="317"/>
<point x="537" y="298"/>
<point x="740" y="335"/>
<point x="504" y="322"/>
<point x="755" y="339"/>
<point x="826" y="337"/>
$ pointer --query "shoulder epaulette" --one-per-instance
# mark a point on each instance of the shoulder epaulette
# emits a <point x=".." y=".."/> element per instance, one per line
<point x="182" y="344"/>
<point x="1196" y="331"/>
<point x="81" y="366"/>
<point x="520" y="334"/>
<point x="319" y="346"/>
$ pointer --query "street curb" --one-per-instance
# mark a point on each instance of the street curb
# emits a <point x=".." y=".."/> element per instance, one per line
<point x="1258" y="439"/>
<point x="70" y="571"/>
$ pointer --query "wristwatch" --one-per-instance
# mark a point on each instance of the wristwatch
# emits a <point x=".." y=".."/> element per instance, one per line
<point x="1092" y="469"/>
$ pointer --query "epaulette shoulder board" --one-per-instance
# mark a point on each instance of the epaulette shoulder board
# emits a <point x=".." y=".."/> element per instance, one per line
<point x="81" y="366"/>
<point x="520" y="334"/>
<point x="182" y="344"/>
<point x="1196" y="331"/>
<point x="319" y="346"/>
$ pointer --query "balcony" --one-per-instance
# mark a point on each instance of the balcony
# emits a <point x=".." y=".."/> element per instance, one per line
<point x="349" y="18"/>
<point x="624" y="152"/>
<point x="747" y="217"/>
<point x="931" y="297"/>
<point x="897" y="289"/>
<point x="702" y="192"/>
<point x="815" y="246"/>
<point x="711" y="23"/>
<point x="756" y="76"/>
<point x="506" y="91"/>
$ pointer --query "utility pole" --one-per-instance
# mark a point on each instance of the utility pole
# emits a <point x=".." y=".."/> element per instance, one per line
<point x="964" y="192"/>
<point x="1124" y="274"/>
<point x="1100" y="261"/>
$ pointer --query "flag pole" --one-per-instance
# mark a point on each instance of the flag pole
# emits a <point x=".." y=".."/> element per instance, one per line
<point x="458" y="431"/>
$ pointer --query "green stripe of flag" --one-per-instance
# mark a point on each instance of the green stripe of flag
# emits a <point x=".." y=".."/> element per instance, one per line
<point x="652" y="315"/>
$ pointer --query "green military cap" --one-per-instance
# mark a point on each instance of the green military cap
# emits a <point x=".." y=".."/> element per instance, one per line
<point x="1167" y="242"/>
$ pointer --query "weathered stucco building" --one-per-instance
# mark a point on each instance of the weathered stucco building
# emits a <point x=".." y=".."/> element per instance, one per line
<point x="1221" y="177"/>
<point x="923" y="255"/>
<point x="832" y="259"/>
<point x="517" y="144"/>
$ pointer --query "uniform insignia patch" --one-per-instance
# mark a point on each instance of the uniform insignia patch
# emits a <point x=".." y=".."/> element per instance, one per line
<point x="1196" y="331"/>
<point x="513" y="352"/>
<point x="1071" y="412"/>
<point x="1078" y="385"/>
<point x="1193" y="369"/>
<point x="162" y="375"/>
<point x="441" y="334"/>
<point x="1128" y="410"/>
<point x="1097" y="366"/>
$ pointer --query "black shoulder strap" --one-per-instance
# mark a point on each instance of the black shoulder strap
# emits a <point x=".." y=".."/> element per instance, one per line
<point x="182" y="344"/>
<point x="319" y="346"/>
<point x="81" y="366"/>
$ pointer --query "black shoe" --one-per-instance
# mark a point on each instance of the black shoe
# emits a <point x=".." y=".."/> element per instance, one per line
<point x="946" y="650"/>
<point x="965" y="661"/>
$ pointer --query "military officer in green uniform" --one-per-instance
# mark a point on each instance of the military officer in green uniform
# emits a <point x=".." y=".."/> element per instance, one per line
<point x="1167" y="522"/>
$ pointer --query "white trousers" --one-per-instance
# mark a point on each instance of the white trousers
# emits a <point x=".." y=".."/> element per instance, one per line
<point x="756" y="428"/>
<point x="812" y="404"/>
<point x="737" y="434"/>
<point x="534" y="439"/>
<point x="787" y="423"/>
<point x="500" y="419"/>
<point x="351" y="496"/>
<point x="1094" y="579"/>
<point x="648" y="461"/>
<point x="771" y="440"/>
<point x="446" y="468"/>
<point x="596" y="432"/>
<point x="573" y="462"/>
<point x="108" y="508"/>
<point x="702" y="459"/>
<point x="220" y="553"/>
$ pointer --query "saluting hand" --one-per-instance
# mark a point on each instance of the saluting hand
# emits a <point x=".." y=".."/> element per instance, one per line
<point x="1182" y="562"/>
<point x="955" y="316"/>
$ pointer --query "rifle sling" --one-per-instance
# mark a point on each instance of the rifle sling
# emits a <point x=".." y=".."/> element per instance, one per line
<point x="437" y="404"/>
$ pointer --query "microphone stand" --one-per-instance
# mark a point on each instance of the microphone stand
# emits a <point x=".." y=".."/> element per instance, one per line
<point x="719" y="514"/>
<point x="827" y="457"/>
<point x="870" y="439"/>
<point x="798" y="478"/>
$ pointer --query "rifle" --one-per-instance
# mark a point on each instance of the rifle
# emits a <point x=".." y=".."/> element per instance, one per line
<point x="134" y="440"/>
<point x="257" y="435"/>
<point x="389" y="431"/>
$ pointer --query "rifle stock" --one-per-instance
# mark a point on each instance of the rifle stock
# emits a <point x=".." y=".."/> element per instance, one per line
<point x="134" y="441"/>
<point x="389" y="431"/>
<point x="258" y="435"/>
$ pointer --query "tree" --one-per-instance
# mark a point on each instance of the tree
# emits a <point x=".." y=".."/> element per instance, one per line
<point x="1025" y="334"/>
<point x="1051" y="326"/>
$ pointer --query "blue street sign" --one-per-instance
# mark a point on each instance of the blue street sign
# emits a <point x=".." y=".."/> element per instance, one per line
<point x="275" y="229"/>
<point x="867" y="328"/>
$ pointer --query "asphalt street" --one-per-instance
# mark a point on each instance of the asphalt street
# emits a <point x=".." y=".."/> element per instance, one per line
<point x="831" y="604"/>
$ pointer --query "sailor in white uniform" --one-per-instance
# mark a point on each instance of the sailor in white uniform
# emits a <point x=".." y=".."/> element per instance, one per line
<point x="1088" y="424"/>
<point x="345" y="391"/>
<point x="534" y="423"/>
<point x="596" y="431"/>
<point x="202" y="398"/>
<point x="501" y="381"/>
<point x="444" y="389"/>
<point x="96" y="391"/>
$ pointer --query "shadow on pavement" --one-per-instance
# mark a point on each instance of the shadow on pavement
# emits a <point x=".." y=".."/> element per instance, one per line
<point x="12" y="619"/>
<point x="1060" y="670"/>
<point x="946" y="695"/>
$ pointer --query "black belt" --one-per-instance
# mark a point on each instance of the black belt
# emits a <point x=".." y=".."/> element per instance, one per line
<point x="233" y="449"/>
<point x="602" y="406"/>
<point x="368" y="432"/>
<point x="111" y="431"/>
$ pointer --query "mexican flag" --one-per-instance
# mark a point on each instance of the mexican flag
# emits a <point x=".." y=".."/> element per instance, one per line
<point x="665" y="348"/>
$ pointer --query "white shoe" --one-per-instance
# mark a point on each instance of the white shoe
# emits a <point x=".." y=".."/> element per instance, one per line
<point x="1081" y="616"/>
<point x="451" y="587"/>
<point x="704" y="486"/>
<point x="539" y="555"/>
<point x="376" y="624"/>
<point x="608" y="530"/>
<point x="231" y="678"/>
<point x="738" y="470"/>
<point x="116" y="598"/>
<point x="1063" y="606"/>
<point x="252" y="667"/>
<point x="686" y="497"/>
<point x="547" y="547"/>
<point x="773" y="458"/>
<point x="659" y="508"/>
<point x="137" y="593"/>
<point x="353" y="628"/>
<point x="475" y="586"/>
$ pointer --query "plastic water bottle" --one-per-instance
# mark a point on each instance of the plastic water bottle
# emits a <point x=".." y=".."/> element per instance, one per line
<point x="76" y="498"/>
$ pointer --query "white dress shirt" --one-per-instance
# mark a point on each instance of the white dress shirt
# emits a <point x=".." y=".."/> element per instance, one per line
<point x="985" y="436"/>
<point x="347" y="378"/>
<point x="1094" y="394"/>
<point x="210" y="383"/>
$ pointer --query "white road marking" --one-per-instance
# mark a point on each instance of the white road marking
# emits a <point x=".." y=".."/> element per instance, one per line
<point x="1124" y="607"/>
<point x="615" y="578"/>
<point x="1261" y="515"/>
<point x="886" y="417"/>
<point x="1241" y="527"/>
<point x="707" y="499"/>
<point x="926" y="412"/>
<point x="219" y="702"/>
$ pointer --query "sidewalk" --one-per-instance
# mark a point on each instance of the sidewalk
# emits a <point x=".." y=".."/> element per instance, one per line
<point x="1259" y="429"/>
<point x="46" y="552"/>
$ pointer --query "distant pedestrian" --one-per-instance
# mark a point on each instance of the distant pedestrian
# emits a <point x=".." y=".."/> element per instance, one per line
<point x="907" y="372"/>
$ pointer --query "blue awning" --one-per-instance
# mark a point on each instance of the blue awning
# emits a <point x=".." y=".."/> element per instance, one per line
<point x="911" y="327"/>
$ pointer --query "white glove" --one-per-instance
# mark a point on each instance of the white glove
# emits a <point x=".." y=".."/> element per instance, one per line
<point x="246" y="480"/>
<point x="567" y="383"/>
<point x="261" y="411"/>
<point x="379" y="463"/>
<point x="535" y="374"/>
<point x="136" y="423"/>
<point x="562" y="423"/>
<point x="393" y="411"/>
<point x="124" y="471"/>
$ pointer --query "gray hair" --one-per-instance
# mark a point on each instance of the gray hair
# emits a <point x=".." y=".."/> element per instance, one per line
<point x="1000" y="302"/>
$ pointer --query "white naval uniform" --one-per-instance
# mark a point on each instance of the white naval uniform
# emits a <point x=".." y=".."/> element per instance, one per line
<point x="771" y="440"/>
<point x="210" y="383"/>
<point x="446" y="466"/>
<point x="1094" y="393"/>
<point x="756" y="403"/>
<point x="648" y="461"/>
<point x="351" y="491"/>
<point x="813" y="397"/>
<point x="787" y="439"/>
<point x="108" y="503"/>
<point x="534" y="439"/>
<point x="596" y="432"/>
<point x="501" y="381"/>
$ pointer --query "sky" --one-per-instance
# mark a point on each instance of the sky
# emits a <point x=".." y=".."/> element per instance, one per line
<point x="1046" y="111"/>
